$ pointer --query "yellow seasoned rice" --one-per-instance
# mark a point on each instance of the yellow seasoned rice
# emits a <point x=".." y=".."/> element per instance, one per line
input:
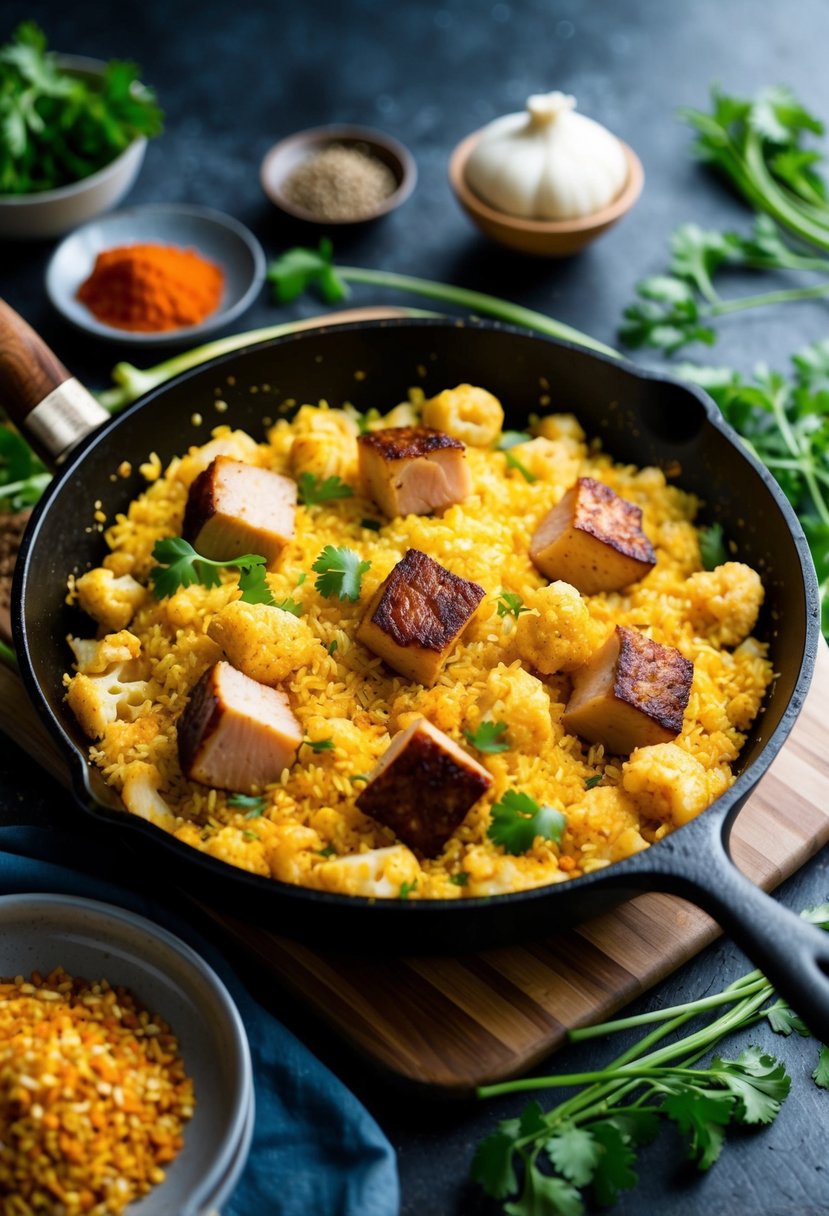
<point x="310" y="822"/>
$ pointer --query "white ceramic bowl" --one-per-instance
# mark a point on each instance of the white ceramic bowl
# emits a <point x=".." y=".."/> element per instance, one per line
<point x="101" y="941"/>
<point x="53" y="212"/>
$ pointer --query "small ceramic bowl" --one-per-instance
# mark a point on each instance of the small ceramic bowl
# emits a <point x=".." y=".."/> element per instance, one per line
<point x="216" y="236"/>
<point x="543" y="238"/>
<point x="280" y="162"/>
<point x="99" y="941"/>
<point x="53" y="212"/>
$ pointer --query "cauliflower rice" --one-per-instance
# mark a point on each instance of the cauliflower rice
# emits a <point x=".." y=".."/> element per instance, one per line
<point x="306" y="828"/>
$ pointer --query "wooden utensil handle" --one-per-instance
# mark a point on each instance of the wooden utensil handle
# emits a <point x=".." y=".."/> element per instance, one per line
<point x="46" y="402"/>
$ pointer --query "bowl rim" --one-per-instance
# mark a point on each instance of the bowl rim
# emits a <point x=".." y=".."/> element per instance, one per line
<point x="314" y="138"/>
<point x="92" y="67"/>
<point x="617" y="207"/>
<point x="172" y="337"/>
<point x="228" y="1162"/>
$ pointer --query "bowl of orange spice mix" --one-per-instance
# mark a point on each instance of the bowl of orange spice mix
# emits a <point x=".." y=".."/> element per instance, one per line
<point x="125" y="1075"/>
<point x="156" y="275"/>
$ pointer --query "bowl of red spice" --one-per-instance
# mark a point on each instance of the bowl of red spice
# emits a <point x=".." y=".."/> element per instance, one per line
<point x="156" y="275"/>
<point x="338" y="175"/>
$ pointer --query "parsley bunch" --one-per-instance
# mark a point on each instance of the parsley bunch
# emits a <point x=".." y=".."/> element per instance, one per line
<point x="543" y="1161"/>
<point x="57" y="127"/>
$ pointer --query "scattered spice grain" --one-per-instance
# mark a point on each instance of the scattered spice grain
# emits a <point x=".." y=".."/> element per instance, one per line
<point x="152" y="288"/>
<point x="340" y="183"/>
<point x="93" y="1097"/>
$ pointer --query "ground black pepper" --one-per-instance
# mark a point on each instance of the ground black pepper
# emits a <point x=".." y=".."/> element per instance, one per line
<point x="340" y="183"/>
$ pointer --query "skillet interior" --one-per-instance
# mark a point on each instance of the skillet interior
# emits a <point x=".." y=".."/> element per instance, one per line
<point x="638" y="417"/>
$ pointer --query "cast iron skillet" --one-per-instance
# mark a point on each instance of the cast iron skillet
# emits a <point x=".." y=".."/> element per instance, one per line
<point x="639" y="417"/>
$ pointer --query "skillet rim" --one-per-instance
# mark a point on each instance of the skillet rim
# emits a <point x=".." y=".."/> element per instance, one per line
<point x="724" y="809"/>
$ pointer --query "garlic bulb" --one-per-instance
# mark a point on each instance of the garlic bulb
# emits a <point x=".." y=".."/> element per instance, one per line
<point x="548" y="163"/>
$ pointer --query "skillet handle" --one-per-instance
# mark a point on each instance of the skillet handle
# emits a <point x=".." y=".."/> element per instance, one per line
<point x="51" y="408"/>
<point x="791" y="953"/>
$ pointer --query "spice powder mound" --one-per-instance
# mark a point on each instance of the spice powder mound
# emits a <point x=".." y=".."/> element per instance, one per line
<point x="152" y="288"/>
<point x="93" y="1097"/>
<point x="340" y="183"/>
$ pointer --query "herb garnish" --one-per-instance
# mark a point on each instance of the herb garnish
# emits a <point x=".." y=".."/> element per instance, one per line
<point x="313" y="490"/>
<point x="373" y="525"/>
<point x="460" y="879"/>
<point x="253" y="803"/>
<point x="489" y="737"/>
<point x="592" y="782"/>
<point x="712" y="547"/>
<point x="319" y="745"/>
<point x="289" y="605"/>
<point x="328" y="851"/>
<point x="340" y="573"/>
<point x="406" y="888"/>
<point x="254" y="587"/>
<point x="517" y="819"/>
<point x="509" y="602"/>
<point x="514" y="463"/>
<point x="179" y="565"/>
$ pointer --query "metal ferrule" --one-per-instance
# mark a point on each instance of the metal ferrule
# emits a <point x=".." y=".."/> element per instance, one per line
<point x="64" y="418"/>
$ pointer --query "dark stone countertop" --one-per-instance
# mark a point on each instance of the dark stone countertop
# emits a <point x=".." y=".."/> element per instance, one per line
<point x="233" y="79"/>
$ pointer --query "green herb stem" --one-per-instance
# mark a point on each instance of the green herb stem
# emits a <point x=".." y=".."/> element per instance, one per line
<point x="7" y="655"/>
<point x="723" y="307"/>
<point x="728" y="997"/>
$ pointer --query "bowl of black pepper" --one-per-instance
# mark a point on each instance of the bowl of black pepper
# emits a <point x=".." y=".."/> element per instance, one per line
<point x="338" y="175"/>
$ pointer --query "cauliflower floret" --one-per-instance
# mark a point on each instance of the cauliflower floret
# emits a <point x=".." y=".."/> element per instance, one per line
<point x="607" y="817"/>
<point x="668" y="783"/>
<point x="106" y="686"/>
<point x="725" y="602"/>
<point x="141" y="796"/>
<point x="557" y="633"/>
<point x="377" y="874"/>
<point x="560" y="426"/>
<point x="263" y="641"/>
<point x="407" y="413"/>
<point x="514" y="696"/>
<point x="467" y="413"/>
<point x="492" y="875"/>
<point x="236" y="444"/>
<point x="109" y="600"/>
<point x="325" y="455"/>
<point x="313" y="420"/>
<point x="289" y="850"/>
<point x="550" y="460"/>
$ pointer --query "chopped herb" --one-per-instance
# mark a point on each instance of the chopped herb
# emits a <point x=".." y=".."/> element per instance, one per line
<point x="254" y="803"/>
<point x="712" y="547"/>
<point x="406" y="888"/>
<point x="319" y="745"/>
<point x="313" y="490"/>
<point x="360" y="777"/>
<point x="821" y="1074"/>
<point x="302" y="577"/>
<point x="179" y="565"/>
<point x="332" y="646"/>
<point x="254" y="587"/>
<point x="487" y="738"/>
<point x="365" y="420"/>
<point x="517" y="819"/>
<point x="248" y="835"/>
<point x="328" y="851"/>
<point x="511" y="439"/>
<point x="592" y="782"/>
<point x="373" y="525"/>
<point x="340" y="573"/>
<point x="514" y="463"/>
<point x="460" y="879"/>
<point x="510" y="603"/>
<point x="289" y="604"/>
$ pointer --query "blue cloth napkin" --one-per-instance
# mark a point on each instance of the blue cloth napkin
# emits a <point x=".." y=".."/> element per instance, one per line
<point x="315" y="1149"/>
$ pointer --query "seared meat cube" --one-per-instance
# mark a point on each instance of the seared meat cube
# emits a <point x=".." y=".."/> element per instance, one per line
<point x="235" y="733"/>
<point x="423" y="787"/>
<point x="593" y="539"/>
<point x="413" y="470"/>
<point x="235" y="508"/>
<point x="417" y="614"/>
<point x="632" y="693"/>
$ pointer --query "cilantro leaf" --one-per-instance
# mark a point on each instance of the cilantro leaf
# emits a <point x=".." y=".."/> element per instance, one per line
<point x="510" y="602"/>
<point x="460" y="879"/>
<point x="179" y="565"/>
<point x="406" y="889"/>
<point x="254" y="587"/>
<point x="487" y="738"/>
<point x="254" y="804"/>
<point x="702" y="1116"/>
<point x="758" y="1081"/>
<point x="821" y="1074"/>
<point x="544" y="1195"/>
<point x="289" y="604"/>
<point x="297" y="269"/>
<point x="613" y="1173"/>
<point x="319" y="745"/>
<point x="514" y="463"/>
<point x="783" y="1020"/>
<point x="575" y="1153"/>
<point x="492" y="1165"/>
<point x="517" y="819"/>
<point x="340" y="573"/>
<point x="511" y="439"/>
<point x="313" y="490"/>
<point x="712" y="546"/>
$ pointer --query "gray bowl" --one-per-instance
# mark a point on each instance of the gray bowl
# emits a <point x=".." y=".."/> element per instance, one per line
<point x="216" y="236"/>
<point x="97" y="940"/>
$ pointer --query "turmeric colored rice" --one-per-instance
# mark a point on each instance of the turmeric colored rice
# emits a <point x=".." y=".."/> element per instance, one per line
<point x="93" y="1097"/>
<point x="306" y="828"/>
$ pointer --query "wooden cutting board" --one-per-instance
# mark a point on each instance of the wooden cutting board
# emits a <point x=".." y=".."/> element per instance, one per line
<point x="454" y="1023"/>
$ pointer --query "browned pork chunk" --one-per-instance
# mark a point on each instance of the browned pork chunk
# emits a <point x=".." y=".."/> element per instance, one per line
<point x="593" y="539"/>
<point x="417" y="614"/>
<point x="413" y="470"/>
<point x="632" y="693"/>
<point x="235" y="733"/>
<point x="423" y="787"/>
<point x="235" y="508"/>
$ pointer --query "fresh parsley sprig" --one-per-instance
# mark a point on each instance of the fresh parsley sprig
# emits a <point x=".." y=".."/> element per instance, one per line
<point x="489" y="737"/>
<point x="510" y="603"/>
<point x="340" y="573"/>
<point x="179" y="565"/>
<point x="314" y="490"/>
<point x="517" y="819"/>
